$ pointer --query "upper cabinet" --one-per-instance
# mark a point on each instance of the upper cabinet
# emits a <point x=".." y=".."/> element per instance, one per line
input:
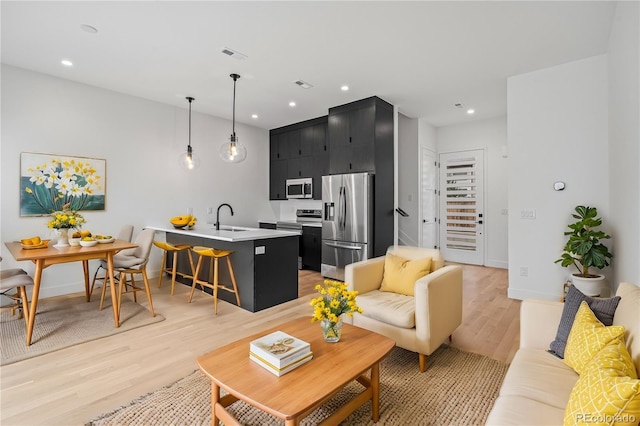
<point x="358" y="131"/>
<point x="298" y="151"/>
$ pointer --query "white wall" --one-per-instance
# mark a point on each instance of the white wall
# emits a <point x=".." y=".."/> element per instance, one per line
<point x="141" y="141"/>
<point x="408" y="180"/>
<point x="557" y="129"/>
<point x="624" y="145"/>
<point x="491" y="136"/>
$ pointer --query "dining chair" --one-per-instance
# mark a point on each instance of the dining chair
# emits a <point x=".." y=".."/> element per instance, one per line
<point x="16" y="279"/>
<point x="129" y="264"/>
<point x="125" y="234"/>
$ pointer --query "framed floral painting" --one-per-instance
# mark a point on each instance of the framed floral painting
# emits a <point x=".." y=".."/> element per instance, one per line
<point x="49" y="181"/>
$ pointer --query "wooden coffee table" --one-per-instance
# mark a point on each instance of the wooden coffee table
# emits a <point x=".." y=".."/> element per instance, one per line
<point x="296" y="394"/>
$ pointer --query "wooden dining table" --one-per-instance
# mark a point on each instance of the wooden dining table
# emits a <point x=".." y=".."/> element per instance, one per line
<point x="47" y="256"/>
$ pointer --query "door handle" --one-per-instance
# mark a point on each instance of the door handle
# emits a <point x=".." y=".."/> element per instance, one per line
<point x="334" y="245"/>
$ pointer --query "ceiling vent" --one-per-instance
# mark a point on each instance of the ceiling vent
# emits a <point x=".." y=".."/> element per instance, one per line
<point x="234" y="53"/>
<point x="303" y="84"/>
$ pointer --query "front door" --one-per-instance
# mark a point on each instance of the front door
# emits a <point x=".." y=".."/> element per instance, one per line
<point x="461" y="206"/>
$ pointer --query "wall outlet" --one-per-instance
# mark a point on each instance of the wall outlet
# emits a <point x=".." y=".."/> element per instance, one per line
<point x="504" y="212"/>
<point x="524" y="271"/>
<point x="209" y="210"/>
<point x="260" y="249"/>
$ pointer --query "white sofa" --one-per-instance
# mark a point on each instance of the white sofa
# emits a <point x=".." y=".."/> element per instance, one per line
<point x="537" y="386"/>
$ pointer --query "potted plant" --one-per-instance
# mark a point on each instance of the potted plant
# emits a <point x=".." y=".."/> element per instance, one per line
<point x="584" y="250"/>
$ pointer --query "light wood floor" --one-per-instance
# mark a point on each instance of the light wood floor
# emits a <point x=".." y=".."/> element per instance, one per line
<point x="74" y="385"/>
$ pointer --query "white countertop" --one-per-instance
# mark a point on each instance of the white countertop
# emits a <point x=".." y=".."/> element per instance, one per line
<point x="226" y="233"/>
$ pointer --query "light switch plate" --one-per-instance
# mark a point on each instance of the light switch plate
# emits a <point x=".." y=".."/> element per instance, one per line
<point x="527" y="214"/>
<point x="260" y="249"/>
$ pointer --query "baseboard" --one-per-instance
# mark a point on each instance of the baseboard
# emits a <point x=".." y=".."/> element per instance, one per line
<point x="515" y="293"/>
<point x="497" y="264"/>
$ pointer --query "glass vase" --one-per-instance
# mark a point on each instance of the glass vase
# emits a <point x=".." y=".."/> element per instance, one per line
<point x="63" y="237"/>
<point x="331" y="331"/>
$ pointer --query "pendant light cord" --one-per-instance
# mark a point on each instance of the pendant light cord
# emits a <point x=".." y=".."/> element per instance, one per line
<point x="190" y="99"/>
<point x="234" y="105"/>
<point x="235" y="77"/>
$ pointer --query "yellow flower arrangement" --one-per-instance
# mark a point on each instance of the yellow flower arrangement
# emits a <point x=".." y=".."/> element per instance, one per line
<point x="334" y="300"/>
<point x="65" y="219"/>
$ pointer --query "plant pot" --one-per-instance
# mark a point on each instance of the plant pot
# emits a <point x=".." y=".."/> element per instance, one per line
<point x="591" y="286"/>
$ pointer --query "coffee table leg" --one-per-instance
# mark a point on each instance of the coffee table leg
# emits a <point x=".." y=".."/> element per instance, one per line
<point x="215" y="398"/>
<point x="375" y="390"/>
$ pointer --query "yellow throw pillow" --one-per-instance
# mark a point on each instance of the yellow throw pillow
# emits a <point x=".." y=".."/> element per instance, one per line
<point x="587" y="337"/>
<point x="400" y="274"/>
<point x="608" y="392"/>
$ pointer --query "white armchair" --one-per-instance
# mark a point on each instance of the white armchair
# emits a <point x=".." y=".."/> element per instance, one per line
<point x="419" y="323"/>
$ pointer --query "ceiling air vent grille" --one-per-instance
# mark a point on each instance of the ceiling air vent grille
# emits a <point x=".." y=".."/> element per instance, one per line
<point x="233" y="53"/>
<point x="303" y="84"/>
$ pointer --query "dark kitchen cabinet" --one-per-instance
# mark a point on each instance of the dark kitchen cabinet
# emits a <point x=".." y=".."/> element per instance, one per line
<point x="352" y="136"/>
<point x="278" y="147"/>
<point x="361" y="140"/>
<point x="278" y="171"/>
<point x="298" y="151"/>
<point x="311" y="250"/>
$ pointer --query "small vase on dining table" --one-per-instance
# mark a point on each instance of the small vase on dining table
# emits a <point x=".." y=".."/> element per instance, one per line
<point x="63" y="237"/>
<point x="331" y="331"/>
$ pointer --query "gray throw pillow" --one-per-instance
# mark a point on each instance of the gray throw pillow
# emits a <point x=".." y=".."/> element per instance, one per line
<point x="602" y="308"/>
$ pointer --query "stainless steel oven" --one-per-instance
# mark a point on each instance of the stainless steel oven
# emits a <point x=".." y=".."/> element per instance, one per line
<point x="299" y="188"/>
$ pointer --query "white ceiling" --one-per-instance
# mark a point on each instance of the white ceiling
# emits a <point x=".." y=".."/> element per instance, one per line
<point x="421" y="56"/>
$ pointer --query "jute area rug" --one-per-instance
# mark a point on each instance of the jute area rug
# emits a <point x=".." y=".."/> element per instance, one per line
<point x="458" y="388"/>
<point x="64" y="322"/>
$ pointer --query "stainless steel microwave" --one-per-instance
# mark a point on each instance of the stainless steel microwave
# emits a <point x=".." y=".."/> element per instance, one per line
<point x="300" y="188"/>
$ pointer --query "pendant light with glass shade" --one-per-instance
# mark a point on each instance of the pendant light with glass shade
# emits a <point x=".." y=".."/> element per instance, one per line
<point x="188" y="160"/>
<point x="232" y="151"/>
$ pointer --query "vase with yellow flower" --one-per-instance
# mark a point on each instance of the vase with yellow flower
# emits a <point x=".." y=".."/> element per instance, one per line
<point x="335" y="300"/>
<point x="64" y="220"/>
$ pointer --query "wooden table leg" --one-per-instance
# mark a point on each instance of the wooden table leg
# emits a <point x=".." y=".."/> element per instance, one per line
<point x="375" y="388"/>
<point x="85" y="268"/>
<point x="114" y="295"/>
<point x="34" y="299"/>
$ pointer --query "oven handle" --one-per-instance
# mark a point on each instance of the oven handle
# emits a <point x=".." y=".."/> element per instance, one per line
<point x="334" y="245"/>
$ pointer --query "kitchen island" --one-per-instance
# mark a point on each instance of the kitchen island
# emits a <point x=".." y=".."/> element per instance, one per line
<point x="265" y="262"/>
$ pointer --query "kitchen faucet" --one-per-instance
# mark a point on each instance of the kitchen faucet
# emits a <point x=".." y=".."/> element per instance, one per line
<point x="218" y="214"/>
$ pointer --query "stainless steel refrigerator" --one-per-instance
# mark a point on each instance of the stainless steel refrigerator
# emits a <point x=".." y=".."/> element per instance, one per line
<point x="347" y="221"/>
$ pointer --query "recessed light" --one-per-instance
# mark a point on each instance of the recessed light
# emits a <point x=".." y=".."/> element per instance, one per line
<point x="254" y="115"/>
<point x="344" y="88"/>
<point x="66" y="63"/>
<point x="292" y="104"/>
<point x="471" y="111"/>
<point x="88" y="29"/>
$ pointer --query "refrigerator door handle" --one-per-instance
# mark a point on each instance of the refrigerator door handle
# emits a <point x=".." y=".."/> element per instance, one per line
<point x="342" y="246"/>
<point x="343" y="205"/>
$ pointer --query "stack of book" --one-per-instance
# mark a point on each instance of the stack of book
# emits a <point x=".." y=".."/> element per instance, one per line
<point x="279" y="352"/>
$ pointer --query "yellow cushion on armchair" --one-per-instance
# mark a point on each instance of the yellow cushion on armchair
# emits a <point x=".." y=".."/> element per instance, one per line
<point x="400" y="275"/>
